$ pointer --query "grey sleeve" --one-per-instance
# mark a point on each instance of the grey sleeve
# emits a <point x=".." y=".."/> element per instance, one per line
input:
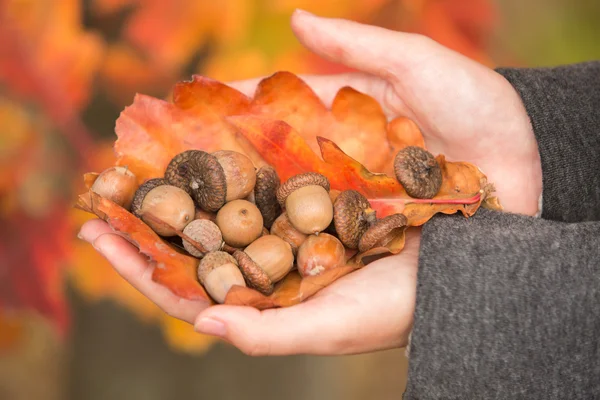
<point x="563" y="104"/>
<point x="508" y="307"/>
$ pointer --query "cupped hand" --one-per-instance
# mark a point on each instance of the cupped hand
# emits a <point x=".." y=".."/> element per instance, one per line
<point x="466" y="111"/>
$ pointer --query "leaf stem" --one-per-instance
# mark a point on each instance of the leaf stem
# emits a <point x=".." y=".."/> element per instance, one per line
<point x="469" y="200"/>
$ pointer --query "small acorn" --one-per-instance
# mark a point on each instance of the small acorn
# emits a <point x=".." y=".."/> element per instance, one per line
<point x="265" y="262"/>
<point x="218" y="272"/>
<point x="379" y="233"/>
<point x="307" y="202"/>
<point x="418" y="172"/>
<point x="283" y="228"/>
<point x="352" y="216"/>
<point x="240" y="223"/>
<point x="117" y="184"/>
<point x="265" y="194"/>
<point x="319" y="254"/>
<point x="204" y="232"/>
<point x="212" y="179"/>
<point x="167" y="203"/>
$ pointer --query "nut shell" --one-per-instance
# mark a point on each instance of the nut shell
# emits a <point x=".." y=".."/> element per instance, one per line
<point x="309" y="209"/>
<point x="204" y="232"/>
<point x="201" y="175"/>
<point x="218" y="272"/>
<point x="380" y="230"/>
<point x="273" y="255"/>
<point x="117" y="184"/>
<point x="140" y="193"/>
<point x="240" y="174"/>
<point x="352" y="216"/>
<point x="170" y="205"/>
<point x="319" y="254"/>
<point x="265" y="194"/>
<point x="298" y="181"/>
<point x="283" y="228"/>
<point x="418" y="171"/>
<point x="240" y="223"/>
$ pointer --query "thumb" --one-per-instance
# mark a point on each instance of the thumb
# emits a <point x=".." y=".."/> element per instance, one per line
<point x="375" y="50"/>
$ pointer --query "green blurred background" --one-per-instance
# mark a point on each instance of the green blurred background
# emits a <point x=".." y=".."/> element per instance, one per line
<point x="70" y="328"/>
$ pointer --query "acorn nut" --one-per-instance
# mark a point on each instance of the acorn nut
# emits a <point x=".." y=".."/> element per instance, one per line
<point x="206" y="234"/>
<point x="352" y="216"/>
<point x="155" y="202"/>
<point x="418" y="172"/>
<point x="212" y="179"/>
<point x="117" y="184"/>
<point x="307" y="202"/>
<point x="240" y="223"/>
<point x="265" y="262"/>
<point x="283" y="228"/>
<point x="218" y="272"/>
<point x="319" y="254"/>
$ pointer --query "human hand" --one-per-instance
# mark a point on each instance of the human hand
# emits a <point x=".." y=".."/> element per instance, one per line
<point x="370" y="309"/>
<point x="466" y="111"/>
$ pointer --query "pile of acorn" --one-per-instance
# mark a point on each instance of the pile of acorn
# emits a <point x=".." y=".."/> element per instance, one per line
<point x="249" y="229"/>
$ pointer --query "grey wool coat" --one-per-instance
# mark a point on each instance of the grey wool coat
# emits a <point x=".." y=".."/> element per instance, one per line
<point x="508" y="306"/>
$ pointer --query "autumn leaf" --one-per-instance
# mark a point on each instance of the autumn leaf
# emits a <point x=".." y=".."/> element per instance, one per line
<point x="173" y="269"/>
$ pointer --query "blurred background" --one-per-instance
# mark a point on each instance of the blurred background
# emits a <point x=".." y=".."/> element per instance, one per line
<point x="70" y="328"/>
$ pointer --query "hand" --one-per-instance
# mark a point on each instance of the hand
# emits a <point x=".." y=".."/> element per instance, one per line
<point x="367" y="310"/>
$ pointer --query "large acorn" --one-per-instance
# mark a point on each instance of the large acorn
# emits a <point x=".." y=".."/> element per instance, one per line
<point x="306" y="200"/>
<point x="418" y="171"/>
<point x="352" y="216"/>
<point x="212" y="179"/>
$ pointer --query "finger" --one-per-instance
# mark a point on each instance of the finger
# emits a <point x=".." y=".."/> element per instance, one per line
<point x="375" y="50"/>
<point x="135" y="268"/>
<point x="326" y="87"/>
<point x="90" y="230"/>
<point x="279" y="331"/>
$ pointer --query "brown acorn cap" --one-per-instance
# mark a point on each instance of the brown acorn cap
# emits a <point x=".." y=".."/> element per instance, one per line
<point x="254" y="275"/>
<point x="298" y="181"/>
<point x="265" y="194"/>
<point x="418" y="171"/>
<point x="142" y="191"/>
<point x="352" y="216"/>
<point x="380" y="230"/>
<point x="201" y="175"/>
<point x="213" y="260"/>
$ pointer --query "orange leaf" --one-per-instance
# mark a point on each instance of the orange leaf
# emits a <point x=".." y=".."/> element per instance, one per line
<point x="172" y="269"/>
<point x="202" y="93"/>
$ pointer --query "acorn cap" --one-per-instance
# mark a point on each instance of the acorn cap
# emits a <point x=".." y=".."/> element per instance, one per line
<point x="418" y="171"/>
<point x="141" y="192"/>
<point x="265" y="194"/>
<point x="298" y="181"/>
<point x="378" y="232"/>
<point x="201" y="175"/>
<point x="352" y="216"/>
<point x="213" y="260"/>
<point x="254" y="275"/>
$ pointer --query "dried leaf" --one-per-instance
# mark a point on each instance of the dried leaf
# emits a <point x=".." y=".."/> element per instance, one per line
<point x="392" y="244"/>
<point x="173" y="269"/>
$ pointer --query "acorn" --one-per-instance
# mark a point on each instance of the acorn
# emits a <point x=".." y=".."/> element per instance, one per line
<point x="380" y="233"/>
<point x="307" y="203"/>
<point x="283" y="228"/>
<point x="117" y="184"/>
<point x="265" y="262"/>
<point x="212" y="179"/>
<point x="205" y="233"/>
<point x="218" y="272"/>
<point x="352" y="216"/>
<point x="418" y="172"/>
<point x="265" y="194"/>
<point x="240" y="223"/>
<point x="319" y="254"/>
<point x="165" y="203"/>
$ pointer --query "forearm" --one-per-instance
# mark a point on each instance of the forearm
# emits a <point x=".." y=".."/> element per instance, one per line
<point x="564" y="108"/>
<point x="507" y="307"/>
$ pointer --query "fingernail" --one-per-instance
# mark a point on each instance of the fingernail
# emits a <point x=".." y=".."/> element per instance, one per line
<point x="210" y="326"/>
<point x="299" y="11"/>
<point x="79" y="235"/>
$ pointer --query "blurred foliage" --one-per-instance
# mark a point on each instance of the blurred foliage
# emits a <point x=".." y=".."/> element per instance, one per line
<point x="68" y="67"/>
